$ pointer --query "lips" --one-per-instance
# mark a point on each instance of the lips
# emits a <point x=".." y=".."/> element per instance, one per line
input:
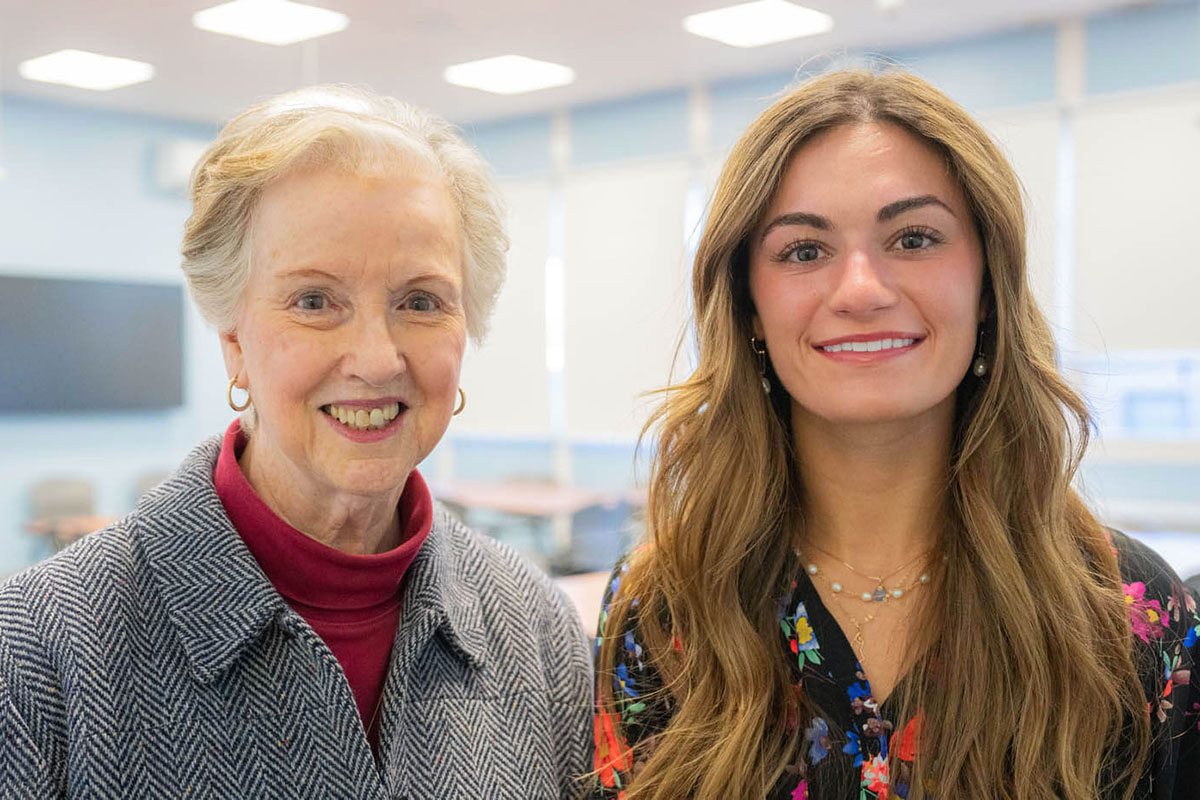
<point x="869" y="348"/>
<point x="874" y="336"/>
<point x="364" y="416"/>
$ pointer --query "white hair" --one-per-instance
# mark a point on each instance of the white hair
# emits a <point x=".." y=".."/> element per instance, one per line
<point x="348" y="128"/>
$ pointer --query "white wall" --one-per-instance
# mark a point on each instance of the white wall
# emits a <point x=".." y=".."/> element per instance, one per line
<point x="626" y="291"/>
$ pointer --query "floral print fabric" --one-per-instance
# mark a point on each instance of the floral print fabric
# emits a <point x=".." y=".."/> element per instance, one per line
<point x="844" y="753"/>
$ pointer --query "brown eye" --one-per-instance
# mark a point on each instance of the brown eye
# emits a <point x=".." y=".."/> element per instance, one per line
<point x="915" y="241"/>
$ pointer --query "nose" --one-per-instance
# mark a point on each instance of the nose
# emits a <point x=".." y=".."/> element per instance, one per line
<point x="372" y="350"/>
<point x="861" y="286"/>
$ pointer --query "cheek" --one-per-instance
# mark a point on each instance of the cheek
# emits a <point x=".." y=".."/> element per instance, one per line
<point x="435" y="370"/>
<point x="290" y="363"/>
<point x="785" y="307"/>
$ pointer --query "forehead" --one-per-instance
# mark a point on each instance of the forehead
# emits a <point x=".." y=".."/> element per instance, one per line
<point x="861" y="168"/>
<point x="326" y="212"/>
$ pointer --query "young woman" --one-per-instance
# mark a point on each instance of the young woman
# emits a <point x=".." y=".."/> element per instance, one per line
<point x="867" y="574"/>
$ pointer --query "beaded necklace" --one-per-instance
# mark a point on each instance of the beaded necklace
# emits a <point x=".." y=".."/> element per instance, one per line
<point x="880" y="594"/>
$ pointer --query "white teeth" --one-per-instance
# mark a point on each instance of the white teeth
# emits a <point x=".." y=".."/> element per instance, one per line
<point x="868" y="347"/>
<point x="363" y="418"/>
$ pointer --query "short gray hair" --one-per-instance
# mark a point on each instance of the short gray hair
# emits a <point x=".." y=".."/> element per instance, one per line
<point x="337" y="126"/>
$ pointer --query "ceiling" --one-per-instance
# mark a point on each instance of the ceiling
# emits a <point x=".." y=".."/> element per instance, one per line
<point x="400" y="47"/>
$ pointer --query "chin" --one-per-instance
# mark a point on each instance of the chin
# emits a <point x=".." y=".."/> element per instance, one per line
<point x="869" y="411"/>
<point x="368" y="478"/>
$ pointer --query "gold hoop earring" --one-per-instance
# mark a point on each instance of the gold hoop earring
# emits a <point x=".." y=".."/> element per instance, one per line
<point x="760" y="350"/>
<point x="229" y="397"/>
<point x="462" y="401"/>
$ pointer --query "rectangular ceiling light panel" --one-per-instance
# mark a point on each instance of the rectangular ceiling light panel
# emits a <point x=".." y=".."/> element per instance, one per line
<point x="85" y="70"/>
<point x="509" y="74"/>
<point x="758" y="23"/>
<point x="276" y="22"/>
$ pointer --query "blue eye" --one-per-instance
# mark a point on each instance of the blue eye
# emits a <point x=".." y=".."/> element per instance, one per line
<point x="421" y="302"/>
<point x="312" y="301"/>
<point x="807" y="252"/>
<point x="917" y="239"/>
<point x="802" y="252"/>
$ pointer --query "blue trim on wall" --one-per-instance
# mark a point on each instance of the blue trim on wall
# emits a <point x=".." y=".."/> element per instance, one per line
<point x="1153" y="482"/>
<point x="517" y="146"/>
<point x="607" y="466"/>
<point x="1007" y="69"/>
<point x="646" y="126"/>
<point x="1141" y="47"/>
<point x="502" y="459"/>
<point x="735" y="104"/>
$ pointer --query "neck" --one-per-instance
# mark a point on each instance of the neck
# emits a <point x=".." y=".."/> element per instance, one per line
<point x="356" y="524"/>
<point x="875" y="495"/>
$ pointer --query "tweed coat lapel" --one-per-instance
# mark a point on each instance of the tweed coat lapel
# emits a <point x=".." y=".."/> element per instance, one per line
<point x="220" y="601"/>
<point x="439" y="596"/>
<point x="216" y="596"/>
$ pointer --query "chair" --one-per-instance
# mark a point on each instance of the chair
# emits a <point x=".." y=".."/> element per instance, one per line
<point x="147" y="481"/>
<point x="57" y="506"/>
<point x="599" y="536"/>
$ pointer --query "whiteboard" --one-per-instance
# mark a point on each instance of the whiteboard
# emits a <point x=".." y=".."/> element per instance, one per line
<point x="1029" y="138"/>
<point x="1138" y="171"/>
<point x="505" y="378"/>
<point x="626" y="291"/>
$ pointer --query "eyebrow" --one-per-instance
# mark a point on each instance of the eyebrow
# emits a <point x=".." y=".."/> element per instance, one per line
<point x="422" y="277"/>
<point x="893" y="210"/>
<point x="798" y="218"/>
<point x="308" y="272"/>
<point x="888" y="212"/>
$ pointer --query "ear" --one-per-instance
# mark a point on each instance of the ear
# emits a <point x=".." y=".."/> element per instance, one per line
<point x="759" y="331"/>
<point x="235" y="360"/>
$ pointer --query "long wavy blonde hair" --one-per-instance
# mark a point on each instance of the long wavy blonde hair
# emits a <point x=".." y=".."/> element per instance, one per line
<point x="1030" y="628"/>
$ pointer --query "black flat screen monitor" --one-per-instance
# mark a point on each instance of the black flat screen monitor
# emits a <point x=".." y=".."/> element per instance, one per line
<point x="78" y="345"/>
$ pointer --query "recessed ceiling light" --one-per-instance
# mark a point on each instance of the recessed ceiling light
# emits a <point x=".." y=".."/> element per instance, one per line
<point x="509" y="74"/>
<point x="270" y="21"/>
<point x="758" y="23"/>
<point x="888" y="5"/>
<point x="85" y="70"/>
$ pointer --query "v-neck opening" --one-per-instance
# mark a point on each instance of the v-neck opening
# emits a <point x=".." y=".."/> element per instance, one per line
<point x="828" y="625"/>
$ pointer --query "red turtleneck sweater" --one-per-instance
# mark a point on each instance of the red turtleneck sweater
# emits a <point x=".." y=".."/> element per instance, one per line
<point x="351" y="601"/>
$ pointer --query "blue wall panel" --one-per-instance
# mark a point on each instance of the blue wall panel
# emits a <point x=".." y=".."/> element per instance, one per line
<point x="519" y="146"/>
<point x="640" y="127"/>
<point x="1143" y="47"/>
<point x="1008" y="69"/>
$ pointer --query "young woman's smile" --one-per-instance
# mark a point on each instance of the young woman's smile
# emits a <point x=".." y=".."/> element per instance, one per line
<point x="866" y="277"/>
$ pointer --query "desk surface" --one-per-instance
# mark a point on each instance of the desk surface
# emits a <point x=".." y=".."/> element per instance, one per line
<point x="528" y="498"/>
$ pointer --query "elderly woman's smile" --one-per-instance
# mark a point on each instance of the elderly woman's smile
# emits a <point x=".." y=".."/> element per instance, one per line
<point x="350" y="338"/>
<point x="293" y="596"/>
<point x="357" y="417"/>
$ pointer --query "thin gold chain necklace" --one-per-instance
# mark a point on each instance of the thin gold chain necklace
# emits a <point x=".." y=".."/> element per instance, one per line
<point x="881" y="592"/>
<point x="897" y="594"/>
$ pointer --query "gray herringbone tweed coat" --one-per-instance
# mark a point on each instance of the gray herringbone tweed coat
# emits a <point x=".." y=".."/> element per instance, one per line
<point x="153" y="659"/>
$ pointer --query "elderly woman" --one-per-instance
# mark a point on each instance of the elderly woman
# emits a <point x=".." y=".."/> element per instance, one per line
<point x="291" y="615"/>
<point x="885" y="585"/>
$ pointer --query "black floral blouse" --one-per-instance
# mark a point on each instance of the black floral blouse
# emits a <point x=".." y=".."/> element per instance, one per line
<point x="856" y="733"/>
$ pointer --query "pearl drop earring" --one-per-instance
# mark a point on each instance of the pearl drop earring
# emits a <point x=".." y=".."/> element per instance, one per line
<point x="980" y="365"/>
